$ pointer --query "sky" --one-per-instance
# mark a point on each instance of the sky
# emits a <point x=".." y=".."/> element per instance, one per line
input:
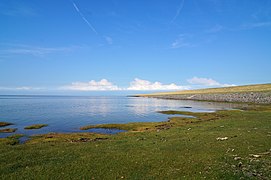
<point x="125" y="47"/>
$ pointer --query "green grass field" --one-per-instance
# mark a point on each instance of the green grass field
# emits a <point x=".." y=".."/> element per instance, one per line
<point x="221" y="145"/>
<point x="234" y="89"/>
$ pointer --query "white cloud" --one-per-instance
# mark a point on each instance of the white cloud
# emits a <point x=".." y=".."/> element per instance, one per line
<point x="139" y="84"/>
<point x="19" y="49"/>
<point x="37" y="51"/>
<point x="256" y="25"/>
<point x="136" y="85"/>
<point x="16" y="9"/>
<point x="206" y="82"/>
<point x="203" y="81"/>
<point x="181" y="41"/>
<point x="178" y="11"/>
<point x="102" y="85"/>
<point x="215" y="29"/>
<point x="84" y="18"/>
<point x="108" y="39"/>
<point x="178" y="43"/>
<point x="22" y="88"/>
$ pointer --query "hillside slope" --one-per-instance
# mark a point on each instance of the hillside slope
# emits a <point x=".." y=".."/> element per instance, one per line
<point x="259" y="93"/>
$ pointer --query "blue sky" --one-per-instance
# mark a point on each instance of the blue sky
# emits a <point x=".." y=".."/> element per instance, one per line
<point x="75" y="46"/>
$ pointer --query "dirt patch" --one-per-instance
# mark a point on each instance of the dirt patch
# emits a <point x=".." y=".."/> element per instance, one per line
<point x="163" y="126"/>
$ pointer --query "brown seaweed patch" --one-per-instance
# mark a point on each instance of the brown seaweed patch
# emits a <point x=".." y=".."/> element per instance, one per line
<point x="36" y="126"/>
<point x="3" y="124"/>
<point x="8" y="130"/>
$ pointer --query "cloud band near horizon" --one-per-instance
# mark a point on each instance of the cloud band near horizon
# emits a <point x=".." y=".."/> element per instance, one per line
<point x="135" y="85"/>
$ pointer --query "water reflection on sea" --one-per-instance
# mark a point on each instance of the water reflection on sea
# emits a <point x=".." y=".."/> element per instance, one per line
<point x="69" y="113"/>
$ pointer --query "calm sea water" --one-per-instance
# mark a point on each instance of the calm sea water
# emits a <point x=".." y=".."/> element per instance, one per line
<point x="69" y="113"/>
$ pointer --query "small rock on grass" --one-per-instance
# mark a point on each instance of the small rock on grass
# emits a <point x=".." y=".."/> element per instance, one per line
<point x="255" y="155"/>
<point x="222" y="138"/>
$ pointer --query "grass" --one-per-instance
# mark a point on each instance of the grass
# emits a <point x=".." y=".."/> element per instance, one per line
<point x="234" y="89"/>
<point x="36" y="126"/>
<point x="13" y="139"/>
<point x="133" y="127"/>
<point x="154" y="126"/>
<point x="180" y="148"/>
<point x="8" y="130"/>
<point x="3" y="124"/>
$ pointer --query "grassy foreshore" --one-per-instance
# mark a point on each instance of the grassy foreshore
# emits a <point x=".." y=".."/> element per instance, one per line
<point x="220" y="145"/>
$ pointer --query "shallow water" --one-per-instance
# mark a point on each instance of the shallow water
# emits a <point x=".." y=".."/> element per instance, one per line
<point x="69" y="113"/>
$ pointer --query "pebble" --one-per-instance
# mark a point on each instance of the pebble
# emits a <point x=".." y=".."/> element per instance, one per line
<point x="222" y="138"/>
<point x="255" y="155"/>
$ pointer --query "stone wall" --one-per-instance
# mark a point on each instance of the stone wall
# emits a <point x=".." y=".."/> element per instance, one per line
<point x="248" y="97"/>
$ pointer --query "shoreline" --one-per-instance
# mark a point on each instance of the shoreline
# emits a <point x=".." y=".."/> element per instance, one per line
<point x="230" y="144"/>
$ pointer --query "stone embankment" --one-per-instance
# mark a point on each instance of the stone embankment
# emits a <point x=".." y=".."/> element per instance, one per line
<point x="244" y="97"/>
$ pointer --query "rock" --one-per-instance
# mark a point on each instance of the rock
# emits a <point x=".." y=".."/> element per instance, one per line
<point x="237" y="158"/>
<point x="99" y="139"/>
<point x="187" y="107"/>
<point x="222" y="138"/>
<point x="255" y="155"/>
<point x="255" y="97"/>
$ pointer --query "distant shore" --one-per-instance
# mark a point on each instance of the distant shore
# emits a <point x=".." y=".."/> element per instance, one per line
<point x="258" y="94"/>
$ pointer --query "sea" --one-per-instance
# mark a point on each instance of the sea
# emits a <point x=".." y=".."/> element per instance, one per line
<point x="66" y="114"/>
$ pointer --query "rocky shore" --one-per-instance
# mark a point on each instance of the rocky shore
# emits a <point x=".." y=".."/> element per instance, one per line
<point x="243" y="97"/>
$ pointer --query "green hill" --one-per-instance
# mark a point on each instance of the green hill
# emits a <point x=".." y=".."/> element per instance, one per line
<point x="232" y="89"/>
